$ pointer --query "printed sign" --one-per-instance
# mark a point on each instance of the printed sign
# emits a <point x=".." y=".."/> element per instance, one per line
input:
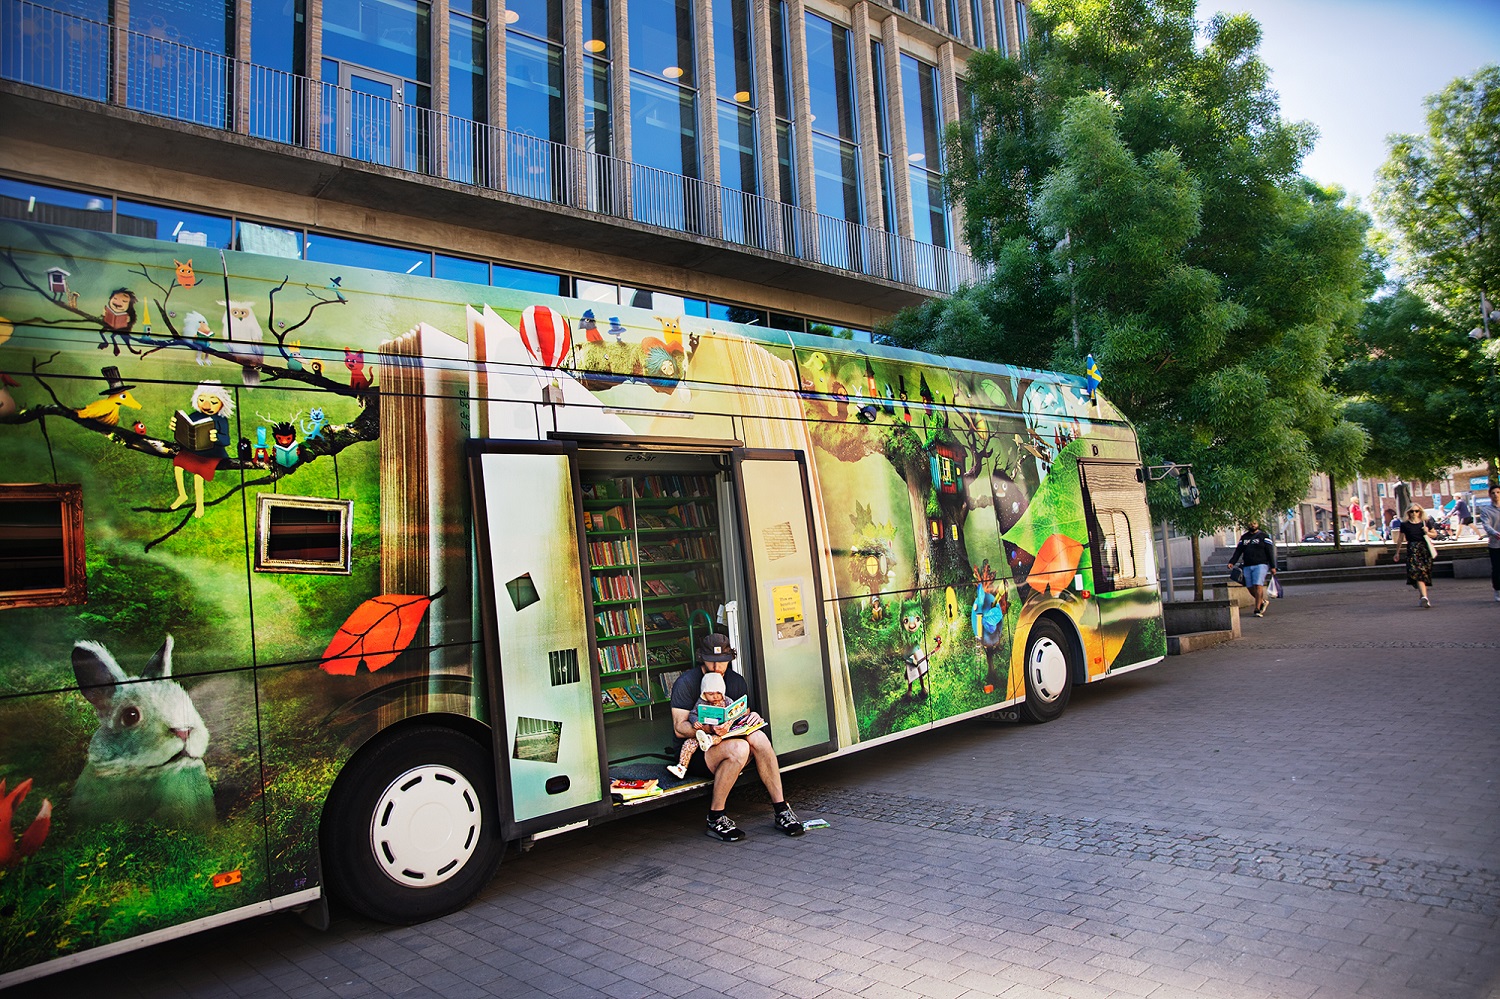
<point x="786" y="607"/>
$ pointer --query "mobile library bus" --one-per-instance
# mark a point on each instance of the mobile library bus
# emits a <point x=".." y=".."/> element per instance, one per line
<point x="315" y="582"/>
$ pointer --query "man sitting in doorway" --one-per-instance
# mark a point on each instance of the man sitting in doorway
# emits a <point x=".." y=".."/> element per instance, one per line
<point x="725" y="761"/>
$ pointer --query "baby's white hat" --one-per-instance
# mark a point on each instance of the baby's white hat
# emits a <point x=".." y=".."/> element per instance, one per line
<point x="712" y="683"/>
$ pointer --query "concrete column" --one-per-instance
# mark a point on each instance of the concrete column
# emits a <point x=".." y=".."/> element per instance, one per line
<point x="864" y="96"/>
<point x="708" y="113"/>
<point x="765" y="121"/>
<point x="948" y="80"/>
<point x="119" y="69"/>
<point x="497" y="148"/>
<point x="239" y="118"/>
<point x="901" y="180"/>
<point x="987" y="12"/>
<point x="438" y="153"/>
<point x="1012" y="30"/>
<point x="965" y="28"/>
<point x="313" y="112"/>
<point x="573" y="110"/>
<point x="807" y="196"/>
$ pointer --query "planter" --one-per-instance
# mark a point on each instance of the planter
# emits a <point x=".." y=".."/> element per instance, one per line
<point x="1349" y="559"/>
<point x="1185" y="617"/>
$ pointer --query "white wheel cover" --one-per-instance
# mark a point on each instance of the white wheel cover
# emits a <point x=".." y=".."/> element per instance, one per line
<point x="426" y="826"/>
<point x="1047" y="666"/>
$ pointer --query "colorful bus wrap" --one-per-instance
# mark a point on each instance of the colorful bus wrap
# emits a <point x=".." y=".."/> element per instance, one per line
<point x="291" y="555"/>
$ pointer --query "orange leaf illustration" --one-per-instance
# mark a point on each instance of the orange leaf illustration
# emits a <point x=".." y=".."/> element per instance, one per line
<point x="1055" y="564"/>
<point x="376" y="633"/>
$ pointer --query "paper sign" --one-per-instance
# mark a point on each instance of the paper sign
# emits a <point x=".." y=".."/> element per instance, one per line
<point x="786" y="609"/>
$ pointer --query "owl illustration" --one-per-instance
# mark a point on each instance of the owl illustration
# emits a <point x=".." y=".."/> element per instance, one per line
<point x="245" y="336"/>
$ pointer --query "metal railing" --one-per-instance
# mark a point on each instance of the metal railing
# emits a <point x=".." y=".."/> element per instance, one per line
<point x="47" y="48"/>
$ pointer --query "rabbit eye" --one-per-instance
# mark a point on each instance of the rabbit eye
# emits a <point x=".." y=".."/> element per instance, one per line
<point x="130" y="716"/>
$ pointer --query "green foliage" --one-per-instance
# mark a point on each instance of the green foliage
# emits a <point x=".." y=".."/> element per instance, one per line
<point x="1139" y="198"/>
<point x="1427" y="393"/>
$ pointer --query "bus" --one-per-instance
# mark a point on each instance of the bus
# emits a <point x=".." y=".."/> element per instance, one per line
<point x="319" y="581"/>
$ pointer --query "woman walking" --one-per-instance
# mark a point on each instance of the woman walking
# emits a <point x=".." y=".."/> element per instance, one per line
<point x="1414" y="534"/>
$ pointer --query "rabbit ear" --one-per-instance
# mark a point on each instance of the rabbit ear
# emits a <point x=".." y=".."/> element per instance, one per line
<point x="161" y="663"/>
<point x="97" y="674"/>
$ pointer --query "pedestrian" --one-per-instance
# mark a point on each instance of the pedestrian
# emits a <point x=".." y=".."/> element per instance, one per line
<point x="1395" y="526"/>
<point x="1258" y="550"/>
<point x="1416" y="535"/>
<point x="1489" y="522"/>
<point x="1357" y="520"/>
<point x="1464" y="517"/>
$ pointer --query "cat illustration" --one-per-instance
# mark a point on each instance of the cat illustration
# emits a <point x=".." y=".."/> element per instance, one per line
<point x="145" y="759"/>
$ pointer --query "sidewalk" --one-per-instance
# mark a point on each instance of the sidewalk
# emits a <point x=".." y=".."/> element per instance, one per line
<point x="1312" y="812"/>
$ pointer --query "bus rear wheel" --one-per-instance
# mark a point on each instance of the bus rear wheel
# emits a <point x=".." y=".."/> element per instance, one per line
<point x="411" y="831"/>
<point x="1049" y="672"/>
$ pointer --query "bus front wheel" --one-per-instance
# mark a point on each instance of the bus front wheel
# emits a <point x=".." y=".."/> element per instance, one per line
<point x="1049" y="672"/>
<point x="411" y="831"/>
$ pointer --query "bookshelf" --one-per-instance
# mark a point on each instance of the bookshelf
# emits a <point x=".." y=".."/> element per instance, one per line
<point x="657" y="577"/>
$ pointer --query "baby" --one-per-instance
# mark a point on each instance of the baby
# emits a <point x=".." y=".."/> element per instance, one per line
<point x="711" y="693"/>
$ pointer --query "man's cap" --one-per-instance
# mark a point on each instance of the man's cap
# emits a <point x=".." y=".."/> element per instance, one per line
<point x="715" y="648"/>
<point x="712" y="683"/>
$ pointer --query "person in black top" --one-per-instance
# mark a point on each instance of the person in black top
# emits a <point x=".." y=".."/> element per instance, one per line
<point x="1413" y="535"/>
<point x="1258" y="550"/>
<point x="728" y="759"/>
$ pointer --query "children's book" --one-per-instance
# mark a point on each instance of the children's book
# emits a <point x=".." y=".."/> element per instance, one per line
<point x="621" y="698"/>
<point x="668" y="679"/>
<point x="708" y="714"/>
<point x="635" y="693"/>
<point x="193" y="431"/>
<point x="630" y="790"/>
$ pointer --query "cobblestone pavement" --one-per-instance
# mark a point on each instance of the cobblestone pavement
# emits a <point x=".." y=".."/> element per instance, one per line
<point x="1310" y="812"/>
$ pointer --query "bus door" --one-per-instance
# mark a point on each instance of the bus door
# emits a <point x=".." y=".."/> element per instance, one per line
<point x="538" y="646"/>
<point x="1124" y="567"/>
<point x="786" y="599"/>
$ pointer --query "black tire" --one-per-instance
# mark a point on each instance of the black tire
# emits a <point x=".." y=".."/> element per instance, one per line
<point x="411" y="830"/>
<point x="1049" y="665"/>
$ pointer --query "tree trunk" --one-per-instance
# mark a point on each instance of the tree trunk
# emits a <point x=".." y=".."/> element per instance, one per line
<point x="1197" y="571"/>
<point x="1333" y="501"/>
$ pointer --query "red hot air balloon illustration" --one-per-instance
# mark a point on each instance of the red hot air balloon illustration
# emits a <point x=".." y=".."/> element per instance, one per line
<point x="545" y="333"/>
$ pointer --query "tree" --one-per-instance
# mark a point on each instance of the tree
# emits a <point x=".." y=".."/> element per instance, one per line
<point x="1439" y="196"/>
<point x="1140" y="200"/>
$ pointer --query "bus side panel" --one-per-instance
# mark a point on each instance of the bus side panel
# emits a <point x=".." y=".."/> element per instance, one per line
<point x="128" y="736"/>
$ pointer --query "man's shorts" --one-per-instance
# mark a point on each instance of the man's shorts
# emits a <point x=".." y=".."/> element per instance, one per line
<point x="1255" y="575"/>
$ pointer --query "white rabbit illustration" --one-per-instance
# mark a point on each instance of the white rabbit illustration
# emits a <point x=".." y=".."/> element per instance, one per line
<point x="146" y="758"/>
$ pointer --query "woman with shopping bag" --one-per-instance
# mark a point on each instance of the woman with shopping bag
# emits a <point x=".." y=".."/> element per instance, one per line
<point x="1416" y="537"/>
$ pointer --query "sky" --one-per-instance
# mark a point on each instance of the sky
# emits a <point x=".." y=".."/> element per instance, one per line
<point x="1360" y="69"/>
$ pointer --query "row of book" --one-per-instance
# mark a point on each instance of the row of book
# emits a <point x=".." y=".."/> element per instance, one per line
<point x="666" y="620"/>
<point x="618" y="621"/>
<point x="673" y="486"/>
<point x="629" y="695"/>
<point x="613" y="519"/>
<point x="683" y="549"/>
<point x="619" y="658"/>
<point x="601" y="489"/>
<point x="666" y="655"/>
<point x="688" y="516"/>
<point x="611" y="553"/>
<point x="615" y="586"/>
<point x="676" y="585"/>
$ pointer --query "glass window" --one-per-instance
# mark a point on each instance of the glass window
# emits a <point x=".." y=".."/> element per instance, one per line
<point x="62" y="45"/>
<point x="460" y="269"/>
<point x="737" y="153"/>
<point x="598" y="291"/>
<point x="178" y="62"/>
<point x="661" y="40"/>
<point x="1023" y="28"/>
<point x="276" y="35"/>
<point x="597" y="67"/>
<point x="737" y="314"/>
<point x="538" y="18"/>
<point x="779" y="321"/>
<point x="923" y="112"/>
<point x="1001" y="43"/>
<point x="55" y="206"/>
<point x="836" y="169"/>
<point x="173" y="224"/>
<point x="467" y="92"/>
<point x="733" y="63"/>
<point x="657" y="301"/>
<point x="522" y="279"/>
<point x="928" y="8"/>
<point x="780" y="57"/>
<point x="953" y="21"/>
<point x="664" y="126"/>
<point x="883" y="136"/>
<point x="393" y="36"/>
<point x="375" y="256"/>
<point x="252" y="237"/>
<point x="533" y="90"/>
<point x="830" y="85"/>
<point x="976" y="14"/>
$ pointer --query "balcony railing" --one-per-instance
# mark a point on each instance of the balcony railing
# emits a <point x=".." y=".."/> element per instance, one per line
<point x="48" y="48"/>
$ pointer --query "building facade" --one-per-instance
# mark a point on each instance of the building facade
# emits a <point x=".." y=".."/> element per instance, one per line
<point x="767" y="161"/>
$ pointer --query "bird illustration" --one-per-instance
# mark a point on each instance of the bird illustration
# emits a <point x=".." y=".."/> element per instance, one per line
<point x="195" y="325"/>
<point x="245" y="337"/>
<point x="615" y="329"/>
<point x="590" y="327"/>
<point x="138" y="428"/>
<point x="334" y="285"/>
<point x="116" y="395"/>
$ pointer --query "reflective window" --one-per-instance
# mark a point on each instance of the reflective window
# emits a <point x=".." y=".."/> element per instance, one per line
<point x="734" y="74"/>
<point x="460" y="269"/>
<point x="375" y="256"/>
<point x="533" y="91"/>
<point x="538" y="18"/>
<point x="393" y="36"/>
<point x="177" y="54"/>
<point x="830" y="85"/>
<point x="277" y="54"/>
<point x="63" y="45"/>
<point x="661" y="40"/>
<point x="779" y="321"/>
<point x="1002" y="44"/>
<point x="781" y="96"/>
<point x="953" y="21"/>
<point x="883" y="136"/>
<point x="737" y="314"/>
<point x="467" y="93"/>
<point x="55" y="206"/>
<point x="923" y="113"/>
<point x="597" y="68"/>
<point x="175" y="224"/>
<point x="976" y="14"/>
<point x="522" y="279"/>
<point x="1023" y="29"/>
<point x="738" y="135"/>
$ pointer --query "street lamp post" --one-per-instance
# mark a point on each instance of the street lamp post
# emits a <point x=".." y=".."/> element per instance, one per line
<point x="1482" y="332"/>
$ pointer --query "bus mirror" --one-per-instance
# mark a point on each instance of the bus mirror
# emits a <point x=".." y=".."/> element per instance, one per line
<point x="1187" y="489"/>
